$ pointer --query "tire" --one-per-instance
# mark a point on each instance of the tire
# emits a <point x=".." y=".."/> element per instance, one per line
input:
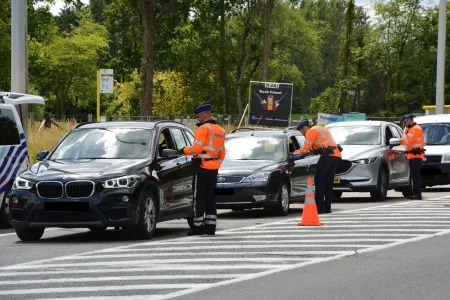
<point x="147" y="216"/>
<point x="282" y="208"/>
<point x="337" y="194"/>
<point x="101" y="228"/>
<point x="380" y="194"/>
<point x="30" y="234"/>
<point x="5" y="220"/>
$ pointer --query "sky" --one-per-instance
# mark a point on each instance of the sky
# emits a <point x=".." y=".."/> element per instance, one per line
<point x="59" y="4"/>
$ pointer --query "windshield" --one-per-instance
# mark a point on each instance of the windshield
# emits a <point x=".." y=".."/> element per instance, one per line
<point x="361" y="135"/>
<point x="101" y="143"/>
<point x="436" y="134"/>
<point x="254" y="148"/>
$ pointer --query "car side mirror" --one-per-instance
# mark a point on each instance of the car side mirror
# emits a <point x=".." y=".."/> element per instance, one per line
<point x="394" y="142"/>
<point x="169" y="153"/>
<point x="42" y="155"/>
<point x="296" y="156"/>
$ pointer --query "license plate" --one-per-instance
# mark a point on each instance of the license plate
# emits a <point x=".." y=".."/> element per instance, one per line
<point x="224" y="192"/>
<point x="337" y="180"/>
<point x="66" y="206"/>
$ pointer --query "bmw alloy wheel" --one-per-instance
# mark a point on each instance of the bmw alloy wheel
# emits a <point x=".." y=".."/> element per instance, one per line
<point x="150" y="214"/>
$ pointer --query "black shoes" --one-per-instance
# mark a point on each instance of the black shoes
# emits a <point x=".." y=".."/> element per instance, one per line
<point x="415" y="197"/>
<point x="196" y="231"/>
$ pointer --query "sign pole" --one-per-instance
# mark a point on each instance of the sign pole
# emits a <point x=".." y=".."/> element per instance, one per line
<point x="98" y="96"/>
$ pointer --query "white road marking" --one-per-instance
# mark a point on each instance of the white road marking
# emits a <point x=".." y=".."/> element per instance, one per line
<point x="119" y="278"/>
<point x="102" y="288"/>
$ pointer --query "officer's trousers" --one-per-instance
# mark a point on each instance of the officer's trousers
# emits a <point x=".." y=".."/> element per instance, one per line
<point x="323" y="182"/>
<point x="415" y="165"/>
<point x="204" y="205"/>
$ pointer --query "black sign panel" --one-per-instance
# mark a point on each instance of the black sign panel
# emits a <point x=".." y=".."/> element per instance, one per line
<point x="270" y="104"/>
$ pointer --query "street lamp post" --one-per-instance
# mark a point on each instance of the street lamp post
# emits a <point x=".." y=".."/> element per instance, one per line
<point x="19" y="56"/>
<point x="440" y="73"/>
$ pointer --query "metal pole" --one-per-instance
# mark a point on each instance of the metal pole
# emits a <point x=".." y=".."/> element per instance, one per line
<point x="98" y="96"/>
<point x="440" y="73"/>
<point x="19" y="55"/>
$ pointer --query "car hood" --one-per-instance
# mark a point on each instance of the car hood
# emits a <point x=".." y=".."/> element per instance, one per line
<point x="246" y="167"/>
<point x="354" y="152"/>
<point x="436" y="149"/>
<point x="82" y="169"/>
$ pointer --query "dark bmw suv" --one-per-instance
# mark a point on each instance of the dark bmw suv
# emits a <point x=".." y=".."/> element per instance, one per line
<point x="259" y="170"/>
<point x="119" y="174"/>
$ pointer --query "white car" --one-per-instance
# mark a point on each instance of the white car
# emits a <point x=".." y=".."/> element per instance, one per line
<point x="436" y="165"/>
<point x="13" y="146"/>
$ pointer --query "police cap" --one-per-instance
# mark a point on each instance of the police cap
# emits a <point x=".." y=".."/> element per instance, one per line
<point x="408" y="116"/>
<point x="202" y="107"/>
<point x="302" y="124"/>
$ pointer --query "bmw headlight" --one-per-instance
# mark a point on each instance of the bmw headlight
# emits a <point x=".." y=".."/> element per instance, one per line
<point x="446" y="157"/>
<point x="257" y="177"/>
<point x="22" y="184"/>
<point x="122" y="182"/>
<point x="364" y="161"/>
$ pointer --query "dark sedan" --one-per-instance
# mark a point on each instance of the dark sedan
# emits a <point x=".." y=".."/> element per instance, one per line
<point x="259" y="172"/>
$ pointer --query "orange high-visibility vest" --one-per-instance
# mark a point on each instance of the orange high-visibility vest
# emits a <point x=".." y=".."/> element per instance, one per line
<point x="319" y="137"/>
<point x="414" y="140"/>
<point x="209" y="145"/>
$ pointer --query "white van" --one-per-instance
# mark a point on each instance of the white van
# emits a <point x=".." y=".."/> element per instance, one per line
<point x="14" y="157"/>
<point x="436" y="165"/>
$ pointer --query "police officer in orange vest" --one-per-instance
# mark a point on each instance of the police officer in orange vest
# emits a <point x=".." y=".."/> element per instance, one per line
<point x="209" y="151"/>
<point x="414" y="142"/>
<point x="321" y="140"/>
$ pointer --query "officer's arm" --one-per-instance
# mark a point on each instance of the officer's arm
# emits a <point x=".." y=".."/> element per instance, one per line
<point x="197" y="148"/>
<point x="309" y="142"/>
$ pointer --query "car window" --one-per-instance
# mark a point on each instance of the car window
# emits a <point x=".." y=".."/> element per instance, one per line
<point x="9" y="135"/>
<point x="300" y="140"/>
<point x="165" y="141"/>
<point x="388" y="135"/>
<point x="104" y="143"/>
<point x="436" y="134"/>
<point x="352" y="135"/>
<point x="189" y="136"/>
<point x="293" y="144"/>
<point x="178" y="138"/>
<point x="255" y="148"/>
<point x="395" y="132"/>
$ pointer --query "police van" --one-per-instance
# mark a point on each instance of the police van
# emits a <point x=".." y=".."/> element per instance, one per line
<point x="14" y="157"/>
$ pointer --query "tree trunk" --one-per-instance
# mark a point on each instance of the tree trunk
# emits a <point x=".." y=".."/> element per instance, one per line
<point x="346" y="53"/>
<point x="223" y="64"/>
<point x="268" y="11"/>
<point x="146" y="9"/>
<point x="246" y="52"/>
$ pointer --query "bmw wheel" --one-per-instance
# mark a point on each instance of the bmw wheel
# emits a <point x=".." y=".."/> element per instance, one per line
<point x="380" y="194"/>
<point x="282" y="208"/>
<point x="147" y="216"/>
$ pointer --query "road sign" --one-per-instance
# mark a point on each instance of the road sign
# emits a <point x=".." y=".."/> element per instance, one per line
<point x="106" y="81"/>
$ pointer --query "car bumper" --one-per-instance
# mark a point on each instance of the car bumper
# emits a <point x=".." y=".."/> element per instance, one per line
<point x="107" y="209"/>
<point x="359" y="178"/>
<point x="435" y="174"/>
<point x="257" y="195"/>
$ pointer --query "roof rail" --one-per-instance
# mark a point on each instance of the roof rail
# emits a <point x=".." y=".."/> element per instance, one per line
<point x="82" y="124"/>
<point x="289" y="128"/>
<point x="250" y="128"/>
<point x="167" y="121"/>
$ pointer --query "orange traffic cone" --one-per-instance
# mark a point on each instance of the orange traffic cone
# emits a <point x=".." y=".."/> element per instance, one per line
<point x="310" y="217"/>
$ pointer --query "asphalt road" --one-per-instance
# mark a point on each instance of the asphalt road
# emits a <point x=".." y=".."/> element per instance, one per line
<point x="254" y="256"/>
